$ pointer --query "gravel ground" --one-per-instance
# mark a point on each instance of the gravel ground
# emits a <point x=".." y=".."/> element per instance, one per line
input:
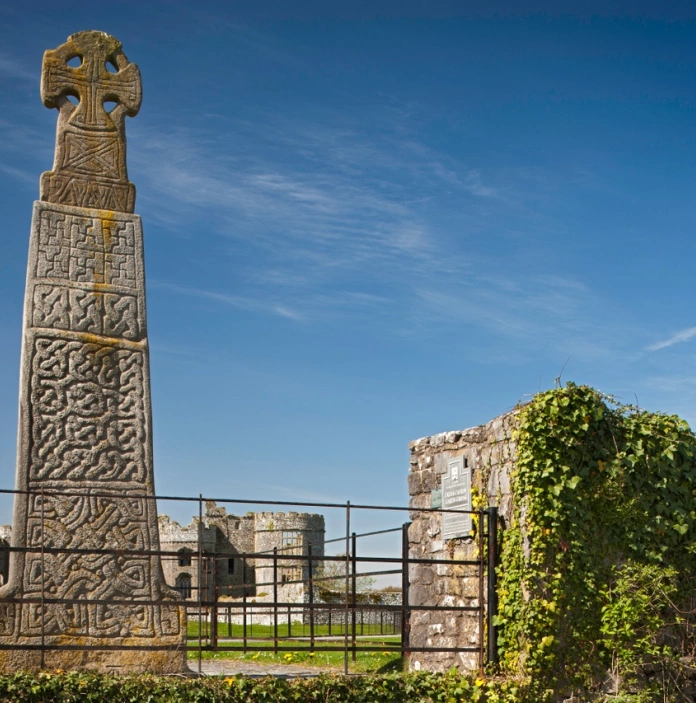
<point x="231" y="667"/>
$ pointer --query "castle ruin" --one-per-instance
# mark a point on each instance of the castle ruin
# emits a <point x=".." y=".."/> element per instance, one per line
<point x="223" y="537"/>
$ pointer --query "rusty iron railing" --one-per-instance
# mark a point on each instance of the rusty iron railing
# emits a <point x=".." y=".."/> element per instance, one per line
<point x="325" y="626"/>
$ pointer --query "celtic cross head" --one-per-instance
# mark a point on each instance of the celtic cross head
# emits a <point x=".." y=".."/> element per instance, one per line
<point x="94" y="86"/>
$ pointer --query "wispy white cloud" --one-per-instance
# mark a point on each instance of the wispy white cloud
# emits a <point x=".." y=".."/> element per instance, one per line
<point x="19" y="173"/>
<point x="240" y="302"/>
<point x="681" y="336"/>
<point x="473" y="183"/>
<point x="346" y="223"/>
<point x="24" y="140"/>
<point x="533" y="311"/>
<point x="13" y="68"/>
<point x="341" y="217"/>
<point x="328" y="195"/>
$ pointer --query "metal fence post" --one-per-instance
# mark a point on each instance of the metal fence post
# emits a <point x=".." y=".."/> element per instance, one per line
<point x="275" y="599"/>
<point x="311" y="599"/>
<point x="43" y="583"/>
<point x="214" y="607"/>
<point x="347" y="594"/>
<point x="481" y="567"/>
<point x="353" y="567"/>
<point x="244" y="604"/>
<point x="200" y="581"/>
<point x="492" y="583"/>
<point x="405" y="615"/>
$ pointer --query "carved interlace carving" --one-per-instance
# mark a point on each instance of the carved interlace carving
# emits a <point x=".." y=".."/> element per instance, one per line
<point x="91" y="522"/>
<point x="87" y="522"/>
<point x="90" y="162"/>
<point x="87" y="413"/>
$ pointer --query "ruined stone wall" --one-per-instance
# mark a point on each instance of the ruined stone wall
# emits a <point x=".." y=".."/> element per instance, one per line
<point x="234" y="536"/>
<point x="490" y="453"/>
<point x="225" y="536"/>
<point x="388" y="619"/>
<point x="184" y="541"/>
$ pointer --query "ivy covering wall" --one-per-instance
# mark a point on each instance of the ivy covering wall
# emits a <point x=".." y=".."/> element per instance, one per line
<point x="596" y="582"/>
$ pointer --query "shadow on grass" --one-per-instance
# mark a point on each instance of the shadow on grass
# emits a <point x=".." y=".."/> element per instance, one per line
<point x="394" y="666"/>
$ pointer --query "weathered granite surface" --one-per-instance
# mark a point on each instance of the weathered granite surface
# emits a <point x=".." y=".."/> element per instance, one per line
<point x="90" y="161"/>
<point x="490" y="453"/>
<point x="85" y="418"/>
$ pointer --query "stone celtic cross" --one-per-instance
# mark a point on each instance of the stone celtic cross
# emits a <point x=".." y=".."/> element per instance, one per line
<point x="84" y="459"/>
<point x="90" y="160"/>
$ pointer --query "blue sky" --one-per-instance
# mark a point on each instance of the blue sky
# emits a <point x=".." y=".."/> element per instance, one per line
<point x="370" y="222"/>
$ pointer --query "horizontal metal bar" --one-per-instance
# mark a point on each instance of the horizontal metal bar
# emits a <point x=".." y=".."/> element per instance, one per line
<point x="48" y="492"/>
<point x="322" y="648"/>
<point x="240" y="606"/>
<point x="364" y="534"/>
<point x="239" y="555"/>
<point x="341" y="577"/>
<point x="343" y="539"/>
<point x="209" y="648"/>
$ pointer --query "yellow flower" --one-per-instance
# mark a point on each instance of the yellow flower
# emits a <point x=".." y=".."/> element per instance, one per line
<point x="385" y="654"/>
<point x="311" y="654"/>
<point x="479" y="682"/>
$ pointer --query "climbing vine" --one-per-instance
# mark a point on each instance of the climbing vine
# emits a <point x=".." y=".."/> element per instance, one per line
<point x="596" y="577"/>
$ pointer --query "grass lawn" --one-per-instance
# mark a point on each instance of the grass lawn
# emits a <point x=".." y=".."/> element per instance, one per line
<point x="365" y="662"/>
<point x="297" y="629"/>
<point x="297" y="651"/>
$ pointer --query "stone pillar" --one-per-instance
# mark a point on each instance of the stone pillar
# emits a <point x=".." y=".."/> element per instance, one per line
<point x="85" y="431"/>
<point x="489" y="452"/>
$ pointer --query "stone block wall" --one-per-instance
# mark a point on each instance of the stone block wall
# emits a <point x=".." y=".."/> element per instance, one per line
<point x="388" y="618"/>
<point x="278" y="530"/>
<point x="490" y="453"/>
<point x="224" y="537"/>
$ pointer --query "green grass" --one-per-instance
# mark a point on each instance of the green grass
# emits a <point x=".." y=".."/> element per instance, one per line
<point x="297" y="629"/>
<point x="297" y="652"/>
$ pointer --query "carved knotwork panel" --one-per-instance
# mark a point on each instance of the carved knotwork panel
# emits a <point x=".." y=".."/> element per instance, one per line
<point x="88" y="419"/>
<point x="108" y="314"/>
<point x="88" y="522"/>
